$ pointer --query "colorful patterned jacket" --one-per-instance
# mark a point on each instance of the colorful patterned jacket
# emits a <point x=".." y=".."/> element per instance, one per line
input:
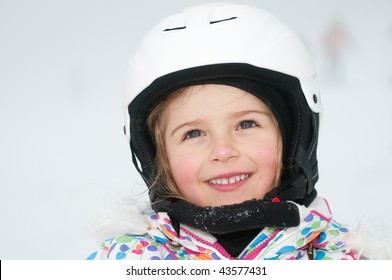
<point x="317" y="237"/>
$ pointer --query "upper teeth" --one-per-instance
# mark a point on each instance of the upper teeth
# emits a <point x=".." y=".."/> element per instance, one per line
<point x="231" y="180"/>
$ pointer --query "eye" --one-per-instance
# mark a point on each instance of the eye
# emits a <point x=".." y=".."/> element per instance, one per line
<point x="247" y="124"/>
<point x="193" y="134"/>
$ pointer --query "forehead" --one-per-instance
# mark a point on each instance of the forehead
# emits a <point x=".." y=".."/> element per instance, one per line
<point x="215" y="97"/>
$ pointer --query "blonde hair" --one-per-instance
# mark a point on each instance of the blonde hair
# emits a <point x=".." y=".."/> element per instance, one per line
<point x="164" y="185"/>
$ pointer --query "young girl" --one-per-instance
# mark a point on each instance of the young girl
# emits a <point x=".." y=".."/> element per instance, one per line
<point x="222" y="115"/>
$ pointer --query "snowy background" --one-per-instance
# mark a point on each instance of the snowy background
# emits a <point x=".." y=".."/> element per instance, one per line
<point x="64" y="158"/>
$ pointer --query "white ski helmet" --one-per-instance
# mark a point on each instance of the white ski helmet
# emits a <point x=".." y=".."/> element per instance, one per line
<point x="237" y="45"/>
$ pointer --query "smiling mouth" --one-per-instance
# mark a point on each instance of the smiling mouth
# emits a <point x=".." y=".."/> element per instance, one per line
<point x="229" y="180"/>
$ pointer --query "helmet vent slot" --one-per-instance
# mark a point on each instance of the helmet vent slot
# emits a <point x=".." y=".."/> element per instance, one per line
<point x="175" y="28"/>
<point x="222" y="20"/>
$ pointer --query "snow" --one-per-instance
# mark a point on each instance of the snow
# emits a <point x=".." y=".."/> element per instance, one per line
<point x="64" y="158"/>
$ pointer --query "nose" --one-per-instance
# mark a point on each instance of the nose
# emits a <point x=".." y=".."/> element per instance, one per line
<point x="223" y="150"/>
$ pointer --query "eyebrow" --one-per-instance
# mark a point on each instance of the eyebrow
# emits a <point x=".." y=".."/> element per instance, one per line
<point x="190" y="123"/>
<point x="235" y="115"/>
<point x="246" y="112"/>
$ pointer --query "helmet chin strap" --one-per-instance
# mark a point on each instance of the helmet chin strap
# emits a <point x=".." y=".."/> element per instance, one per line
<point x="295" y="185"/>
<point x="251" y="214"/>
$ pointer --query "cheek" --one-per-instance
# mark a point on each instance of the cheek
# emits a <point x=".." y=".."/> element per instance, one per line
<point x="184" y="169"/>
<point x="267" y="158"/>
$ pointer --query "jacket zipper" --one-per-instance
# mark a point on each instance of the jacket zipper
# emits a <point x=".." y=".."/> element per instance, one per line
<point x="310" y="251"/>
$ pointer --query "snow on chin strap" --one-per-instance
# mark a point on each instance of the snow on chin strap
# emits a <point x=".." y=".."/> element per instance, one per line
<point x="247" y="215"/>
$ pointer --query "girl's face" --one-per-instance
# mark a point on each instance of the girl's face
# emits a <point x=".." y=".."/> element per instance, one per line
<point x="222" y="145"/>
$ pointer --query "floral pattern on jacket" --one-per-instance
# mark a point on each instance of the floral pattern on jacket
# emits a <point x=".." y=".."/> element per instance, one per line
<point x="317" y="237"/>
